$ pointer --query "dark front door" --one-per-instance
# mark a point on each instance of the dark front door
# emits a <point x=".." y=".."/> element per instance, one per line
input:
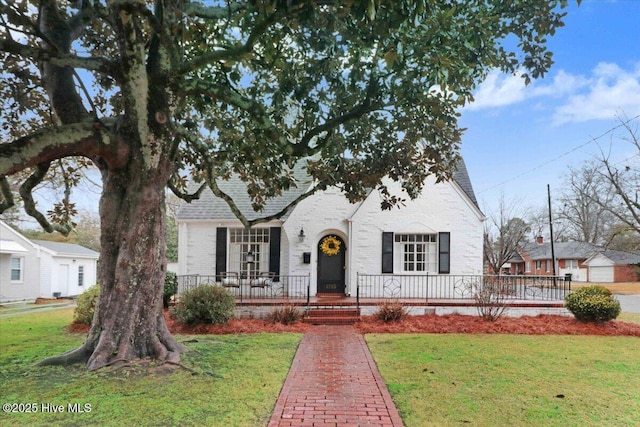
<point x="331" y="264"/>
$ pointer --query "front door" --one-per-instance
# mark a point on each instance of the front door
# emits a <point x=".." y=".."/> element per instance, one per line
<point x="331" y="264"/>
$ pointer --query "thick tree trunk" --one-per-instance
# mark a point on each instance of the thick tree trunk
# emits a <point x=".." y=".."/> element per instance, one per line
<point x="129" y="322"/>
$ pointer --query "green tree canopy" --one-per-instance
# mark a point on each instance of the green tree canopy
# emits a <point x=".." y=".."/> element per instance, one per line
<point x="151" y="92"/>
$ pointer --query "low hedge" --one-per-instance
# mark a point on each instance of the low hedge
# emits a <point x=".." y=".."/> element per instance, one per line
<point x="593" y="304"/>
<point x="205" y="304"/>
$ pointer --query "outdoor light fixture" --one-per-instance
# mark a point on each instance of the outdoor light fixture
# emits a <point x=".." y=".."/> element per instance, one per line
<point x="301" y="235"/>
<point x="250" y="257"/>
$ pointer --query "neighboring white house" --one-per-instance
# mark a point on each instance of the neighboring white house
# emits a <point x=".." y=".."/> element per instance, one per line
<point x="439" y="233"/>
<point x="32" y="269"/>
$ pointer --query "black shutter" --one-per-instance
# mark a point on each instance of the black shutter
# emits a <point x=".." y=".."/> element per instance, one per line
<point x="221" y="252"/>
<point x="274" y="251"/>
<point x="387" y="252"/>
<point x="444" y="253"/>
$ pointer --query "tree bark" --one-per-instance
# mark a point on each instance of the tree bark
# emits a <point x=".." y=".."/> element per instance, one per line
<point x="129" y="321"/>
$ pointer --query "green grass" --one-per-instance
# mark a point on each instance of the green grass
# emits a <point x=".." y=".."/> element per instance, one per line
<point x="235" y="381"/>
<point x="492" y="380"/>
<point x="626" y="316"/>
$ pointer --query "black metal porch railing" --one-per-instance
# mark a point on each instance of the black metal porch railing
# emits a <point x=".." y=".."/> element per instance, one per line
<point x="277" y="287"/>
<point x="426" y="287"/>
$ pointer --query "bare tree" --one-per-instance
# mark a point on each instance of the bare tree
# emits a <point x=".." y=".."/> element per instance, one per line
<point x="504" y="231"/>
<point x="623" y="180"/>
<point x="583" y="205"/>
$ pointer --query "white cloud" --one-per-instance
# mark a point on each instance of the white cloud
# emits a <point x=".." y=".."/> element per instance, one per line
<point x="611" y="90"/>
<point x="498" y="90"/>
<point x="605" y="93"/>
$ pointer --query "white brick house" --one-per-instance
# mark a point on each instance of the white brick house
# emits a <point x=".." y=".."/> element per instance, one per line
<point x="439" y="233"/>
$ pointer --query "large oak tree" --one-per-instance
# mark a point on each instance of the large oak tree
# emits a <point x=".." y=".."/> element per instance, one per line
<point x="152" y="91"/>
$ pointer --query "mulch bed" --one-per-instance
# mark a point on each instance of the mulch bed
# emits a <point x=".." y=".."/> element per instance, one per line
<point x="526" y="325"/>
<point x="431" y="324"/>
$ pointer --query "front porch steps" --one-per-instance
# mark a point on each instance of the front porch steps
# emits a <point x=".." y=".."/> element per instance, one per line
<point x="332" y="316"/>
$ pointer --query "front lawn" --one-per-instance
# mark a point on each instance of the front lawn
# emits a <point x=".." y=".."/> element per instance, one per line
<point x="523" y="380"/>
<point x="235" y="380"/>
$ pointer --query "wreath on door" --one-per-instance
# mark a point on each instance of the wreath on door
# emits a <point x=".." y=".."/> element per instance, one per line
<point x="330" y="246"/>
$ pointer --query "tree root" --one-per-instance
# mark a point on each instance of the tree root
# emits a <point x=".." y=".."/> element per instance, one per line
<point x="78" y="355"/>
<point x="180" y="365"/>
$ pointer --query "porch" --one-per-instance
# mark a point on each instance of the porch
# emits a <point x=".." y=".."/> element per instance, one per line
<point x="419" y="293"/>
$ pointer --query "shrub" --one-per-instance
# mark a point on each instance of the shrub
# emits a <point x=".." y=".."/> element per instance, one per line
<point x="390" y="311"/>
<point x="287" y="314"/>
<point x="204" y="304"/>
<point x="170" y="288"/>
<point x="86" y="305"/>
<point x="593" y="304"/>
<point x="491" y="300"/>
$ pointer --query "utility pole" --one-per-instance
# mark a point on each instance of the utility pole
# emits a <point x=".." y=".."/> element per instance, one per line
<point x="553" y="253"/>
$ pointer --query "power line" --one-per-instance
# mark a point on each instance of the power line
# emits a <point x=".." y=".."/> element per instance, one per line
<point x="540" y="166"/>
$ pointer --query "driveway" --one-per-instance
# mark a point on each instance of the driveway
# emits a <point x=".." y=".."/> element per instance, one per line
<point x="630" y="303"/>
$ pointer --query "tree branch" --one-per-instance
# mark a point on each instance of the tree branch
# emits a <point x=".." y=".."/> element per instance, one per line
<point x="7" y="194"/>
<point x="57" y="58"/>
<point x="50" y="144"/>
<point x="212" y="12"/>
<point x="231" y="52"/>
<point x="213" y="185"/>
<point x="188" y="197"/>
<point x="257" y="112"/>
<point x="30" y="205"/>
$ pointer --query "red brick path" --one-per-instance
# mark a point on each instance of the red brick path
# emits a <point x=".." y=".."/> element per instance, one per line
<point x="333" y="381"/>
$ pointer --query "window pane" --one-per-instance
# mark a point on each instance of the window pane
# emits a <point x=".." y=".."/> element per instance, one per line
<point x="16" y="269"/>
<point x="243" y="241"/>
<point x="418" y="255"/>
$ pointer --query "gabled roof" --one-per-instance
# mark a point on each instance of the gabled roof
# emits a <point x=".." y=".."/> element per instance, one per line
<point x="210" y="207"/>
<point x="619" y="257"/>
<point x="11" y="247"/>
<point x="562" y="250"/>
<point x="516" y="258"/>
<point x="461" y="177"/>
<point x="67" y="249"/>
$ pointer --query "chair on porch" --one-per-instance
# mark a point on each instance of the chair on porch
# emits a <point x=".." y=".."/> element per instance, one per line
<point x="263" y="280"/>
<point x="230" y="279"/>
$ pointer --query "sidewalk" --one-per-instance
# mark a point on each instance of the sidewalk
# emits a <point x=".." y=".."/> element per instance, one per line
<point x="12" y="309"/>
<point x="334" y="381"/>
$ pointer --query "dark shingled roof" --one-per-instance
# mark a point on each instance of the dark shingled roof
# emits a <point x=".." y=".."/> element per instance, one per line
<point x="210" y="207"/>
<point x="621" y="258"/>
<point x="563" y="250"/>
<point x="67" y="248"/>
<point x="462" y="178"/>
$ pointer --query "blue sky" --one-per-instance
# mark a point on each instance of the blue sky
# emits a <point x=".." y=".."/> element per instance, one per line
<point x="521" y="138"/>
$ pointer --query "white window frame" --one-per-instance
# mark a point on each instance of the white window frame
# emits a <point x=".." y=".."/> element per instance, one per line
<point x="20" y="269"/>
<point x="243" y="241"/>
<point x="571" y="264"/>
<point x="527" y="267"/>
<point x="81" y="275"/>
<point x="416" y="253"/>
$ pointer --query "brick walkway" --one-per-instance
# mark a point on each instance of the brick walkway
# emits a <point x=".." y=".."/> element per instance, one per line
<point x="334" y="381"/>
